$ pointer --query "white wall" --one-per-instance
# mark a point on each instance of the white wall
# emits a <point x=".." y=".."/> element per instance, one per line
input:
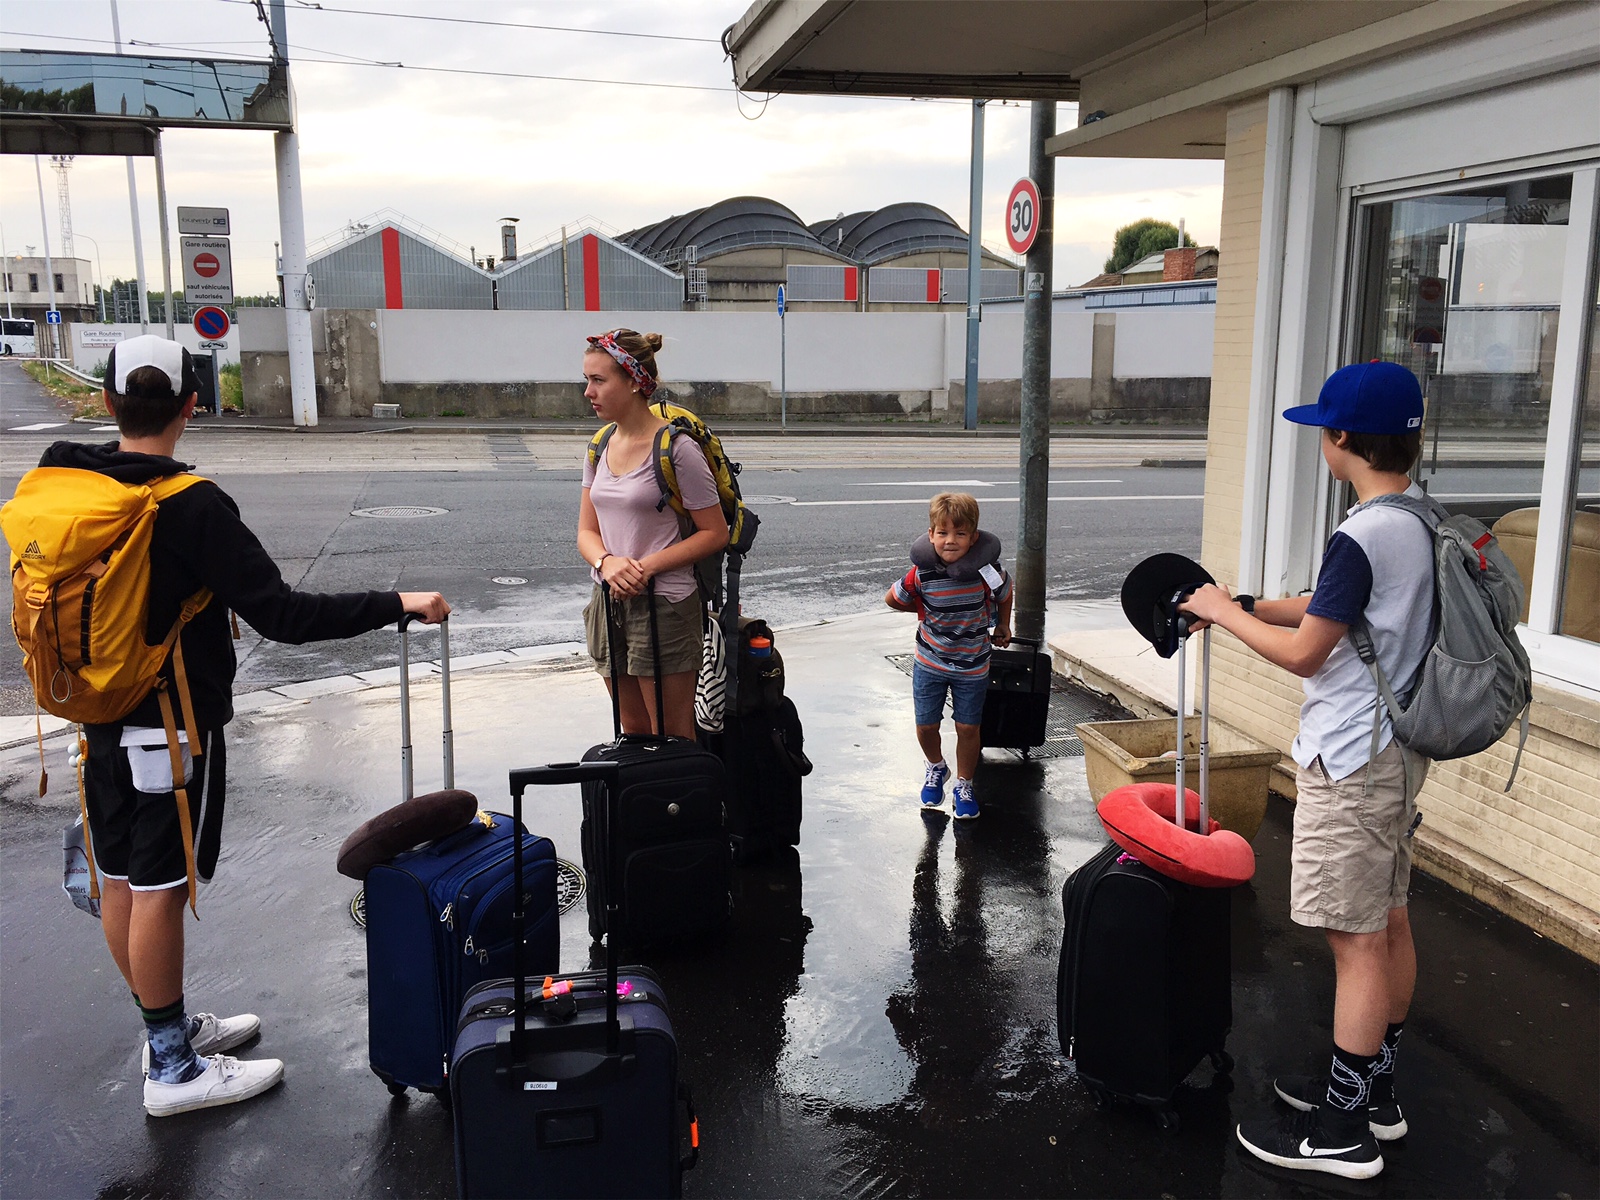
<point x="1164" y="343"/>
<point x="86" y="358"/>
<point x="827" y="352"/>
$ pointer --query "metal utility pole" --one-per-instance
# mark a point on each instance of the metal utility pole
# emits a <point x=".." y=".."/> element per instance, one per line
<point x="166" y="237"/>
<point x="1037" y="305"/>
<point x="783" y="359"/>
<point x="5" y="277"/>
<point x="974" y="264"/>
<point x="292" y="227"/>
<point x="49" y="267"/>
<point x="133" y="208"/>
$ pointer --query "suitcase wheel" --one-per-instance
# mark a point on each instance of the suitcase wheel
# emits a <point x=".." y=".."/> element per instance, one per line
<point x="1101" y="1098"/>
<point x="396" y="1089"/>
<point x="1168" y="1120"/>
<point x="1221" y="1062"/>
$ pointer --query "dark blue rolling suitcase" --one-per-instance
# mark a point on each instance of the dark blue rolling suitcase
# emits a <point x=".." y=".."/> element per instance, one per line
<point x="439" y="921"/>
<point x="573" y="1089"/>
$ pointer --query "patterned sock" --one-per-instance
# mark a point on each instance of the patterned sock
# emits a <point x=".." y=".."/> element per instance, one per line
<point x="1383" y="1073"/>
<point x="1350" y="1081"/>
<point x="172" y="1060"/>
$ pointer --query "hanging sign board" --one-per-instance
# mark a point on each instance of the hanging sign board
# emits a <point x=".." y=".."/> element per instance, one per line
<point x="205" y="222"/>
<point x="207" y="270"/>
<point x="1022" y="216"/>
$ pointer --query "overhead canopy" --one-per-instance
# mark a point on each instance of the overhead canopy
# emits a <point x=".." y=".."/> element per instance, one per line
<point x="63" y="103"/>
<point x="1153" y="78"/>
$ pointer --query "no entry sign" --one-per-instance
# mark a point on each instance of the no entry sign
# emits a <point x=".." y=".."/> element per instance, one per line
<point x="207" y="270"/>
<point x="1022" y="215"/>
<point x="211" y="323"/>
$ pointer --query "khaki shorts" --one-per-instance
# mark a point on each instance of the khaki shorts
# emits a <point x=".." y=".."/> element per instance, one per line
<point x="678" y="622"/>
<point x="1351" y="860"/>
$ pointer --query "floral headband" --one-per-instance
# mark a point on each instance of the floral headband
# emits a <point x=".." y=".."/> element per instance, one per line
<point x="608" y="343"/>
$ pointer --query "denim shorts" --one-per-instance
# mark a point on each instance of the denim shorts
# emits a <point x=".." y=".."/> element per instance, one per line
<point x="966" y="694"/>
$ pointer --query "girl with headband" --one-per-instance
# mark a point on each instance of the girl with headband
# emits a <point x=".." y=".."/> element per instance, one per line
<point x="630" y="540"/>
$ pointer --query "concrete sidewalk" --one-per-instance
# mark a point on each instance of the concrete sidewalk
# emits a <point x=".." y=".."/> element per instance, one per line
<point x="879" y="1021"/>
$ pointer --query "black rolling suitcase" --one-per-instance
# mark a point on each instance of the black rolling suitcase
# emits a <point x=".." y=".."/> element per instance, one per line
<point x="570" y="1087"/>
<point x="1145" y="987"/>
<point x="762" y="747"/>
<point x="1016" y="708"/>
<point x="667" y="874"/>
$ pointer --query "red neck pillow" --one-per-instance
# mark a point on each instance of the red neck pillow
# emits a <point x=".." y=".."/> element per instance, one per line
<point x="1139" y="818"/>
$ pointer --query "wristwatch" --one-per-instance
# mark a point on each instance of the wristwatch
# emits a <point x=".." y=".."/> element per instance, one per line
<point x="1245" y="601"/>
<point x="601" y="559"/>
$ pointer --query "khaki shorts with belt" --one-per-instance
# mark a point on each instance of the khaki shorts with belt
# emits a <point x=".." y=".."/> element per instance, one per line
<point x="1351" y="859"/>
<point x="678" y="622"/>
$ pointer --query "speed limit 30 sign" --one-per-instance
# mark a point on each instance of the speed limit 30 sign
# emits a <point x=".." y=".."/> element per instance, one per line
<point x="1022" y="215"/>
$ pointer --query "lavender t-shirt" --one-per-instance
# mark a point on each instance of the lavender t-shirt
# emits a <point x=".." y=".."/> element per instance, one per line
<point x="626" y="505"/>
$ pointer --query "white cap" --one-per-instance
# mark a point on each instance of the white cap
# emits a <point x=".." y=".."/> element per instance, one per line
<point x="147" y="351"/>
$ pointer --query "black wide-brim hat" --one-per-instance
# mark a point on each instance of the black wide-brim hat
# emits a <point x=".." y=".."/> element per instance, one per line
<point x="1150" y="596"/>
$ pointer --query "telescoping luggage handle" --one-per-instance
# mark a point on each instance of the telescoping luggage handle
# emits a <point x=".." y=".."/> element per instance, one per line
<point x="616" y="669"/>
<point x="405" y="705"/>
<point x="1205" y="722"/>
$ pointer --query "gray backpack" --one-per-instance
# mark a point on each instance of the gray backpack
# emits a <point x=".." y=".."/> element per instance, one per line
<point x="1475" y="680"/>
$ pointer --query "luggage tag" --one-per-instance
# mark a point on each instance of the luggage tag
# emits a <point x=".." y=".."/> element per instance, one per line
<point x="991" y="576"/>
<point x="149" y="760"/>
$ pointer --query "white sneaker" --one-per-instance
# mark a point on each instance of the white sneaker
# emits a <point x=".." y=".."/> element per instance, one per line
<point x="224" y="1081"/>
<point x="214" y="1035"/>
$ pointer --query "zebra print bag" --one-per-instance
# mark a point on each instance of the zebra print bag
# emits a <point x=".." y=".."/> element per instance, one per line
<point x="711" y="688"/>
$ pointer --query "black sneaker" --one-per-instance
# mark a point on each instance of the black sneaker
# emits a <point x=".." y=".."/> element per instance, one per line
<point x="1299" y="1142"/>
<point x="1305" y="1092"/>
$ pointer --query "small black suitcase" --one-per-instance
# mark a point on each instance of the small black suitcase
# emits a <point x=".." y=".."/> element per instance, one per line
<point x="1145" y="986"/>
<point x="667" y="872"/>
<point x="1016" y="708"/>
<point x="561" y="1088"/>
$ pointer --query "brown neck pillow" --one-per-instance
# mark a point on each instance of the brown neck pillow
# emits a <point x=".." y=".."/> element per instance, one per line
<point x="408" y="824"/>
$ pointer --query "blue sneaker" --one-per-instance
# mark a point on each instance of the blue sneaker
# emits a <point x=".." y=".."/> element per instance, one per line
<point x="966" y="804"/>
<point x="933" y="784"/>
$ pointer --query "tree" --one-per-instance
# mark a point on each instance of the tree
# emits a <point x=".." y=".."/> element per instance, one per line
<point x="1145" y="237"/>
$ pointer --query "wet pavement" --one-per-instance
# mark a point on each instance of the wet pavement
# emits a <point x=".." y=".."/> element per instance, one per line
<point x="879" y="1020"/>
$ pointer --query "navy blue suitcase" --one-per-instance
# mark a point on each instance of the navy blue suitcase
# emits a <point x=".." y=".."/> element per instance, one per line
<point x="571" y="1090"/>
<point x="439" y="921"/>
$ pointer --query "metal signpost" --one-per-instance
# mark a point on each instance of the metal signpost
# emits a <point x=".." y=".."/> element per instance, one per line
<point x="1030" y="230"/>
<point x="783" y="361"/>
<point x="974" y="265"/>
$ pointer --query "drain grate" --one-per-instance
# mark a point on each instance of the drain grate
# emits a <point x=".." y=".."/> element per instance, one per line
<point x="399" y="512"/>
<point x="1070" y="704"/>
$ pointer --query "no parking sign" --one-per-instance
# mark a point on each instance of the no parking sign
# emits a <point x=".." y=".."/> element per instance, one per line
<point x="211" y="323"/>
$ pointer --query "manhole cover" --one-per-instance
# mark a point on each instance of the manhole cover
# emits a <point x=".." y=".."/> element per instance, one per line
<point x="569" y="884"/>
<point x="508" y="580"/>
<point x="569" y="890"/>
<point x="754" y="500"/>
<point x="399" y="512"/>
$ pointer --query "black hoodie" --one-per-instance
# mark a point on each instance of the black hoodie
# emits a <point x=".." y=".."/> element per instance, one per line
<point x="200" y="542"/>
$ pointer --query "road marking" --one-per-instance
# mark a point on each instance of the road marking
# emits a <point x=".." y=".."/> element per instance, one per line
<point x="36" y="428"/>
<point x="105" y="429"/>
<point x="986" y="500"/>
<point x="951" y="483"/>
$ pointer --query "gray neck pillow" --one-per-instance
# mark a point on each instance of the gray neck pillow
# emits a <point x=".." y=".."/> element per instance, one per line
<point x="984" y="551"/>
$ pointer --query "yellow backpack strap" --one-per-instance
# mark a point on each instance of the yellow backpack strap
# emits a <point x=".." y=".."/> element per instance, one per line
<point x="173" y="645"/>
<point x="38" y="729"/>
<point x="666" y="473"/>
<point x="597" y="444"/>
<point x="185" y="822"/>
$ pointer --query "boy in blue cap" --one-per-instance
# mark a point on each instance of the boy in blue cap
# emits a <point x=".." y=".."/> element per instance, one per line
<point x="1351" y="856"/>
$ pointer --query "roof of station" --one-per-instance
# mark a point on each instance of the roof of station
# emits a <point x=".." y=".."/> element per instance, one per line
<point x="741" y="222"/>
<point x="876" y="235"/>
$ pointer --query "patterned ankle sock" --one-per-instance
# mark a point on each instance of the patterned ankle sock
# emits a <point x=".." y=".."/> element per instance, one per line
<point x="172" y="1060"/>
<point x="1383" y="1073"/>
<point x="1350" y="1081"/>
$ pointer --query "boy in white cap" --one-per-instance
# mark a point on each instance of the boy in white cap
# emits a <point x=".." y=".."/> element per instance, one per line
<point x="1351" y="854"/>
<point x="198" y="542"/>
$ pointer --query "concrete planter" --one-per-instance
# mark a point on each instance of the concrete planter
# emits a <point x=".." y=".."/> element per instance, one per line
<point x="1117" y="753"/>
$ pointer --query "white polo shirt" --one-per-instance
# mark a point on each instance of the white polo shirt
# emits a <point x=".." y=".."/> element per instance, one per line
<point x="1379" y="563"/>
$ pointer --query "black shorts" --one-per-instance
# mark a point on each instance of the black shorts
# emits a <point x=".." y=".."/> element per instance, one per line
<point x="136" y="836"/>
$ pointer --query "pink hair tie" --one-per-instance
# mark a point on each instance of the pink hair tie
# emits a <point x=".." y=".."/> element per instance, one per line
<point x="630" y="364"/>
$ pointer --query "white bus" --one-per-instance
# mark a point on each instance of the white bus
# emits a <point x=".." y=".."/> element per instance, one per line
<point x="18" y="335"/>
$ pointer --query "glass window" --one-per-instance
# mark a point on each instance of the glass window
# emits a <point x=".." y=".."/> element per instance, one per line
<point x="1580" y="604"/>
<point x="33" y="282"/>
<point x="1464" y="288"/>
<point x="60" y="286"/>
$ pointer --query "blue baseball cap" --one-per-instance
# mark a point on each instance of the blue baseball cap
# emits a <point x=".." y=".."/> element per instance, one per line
<point x="1373" y="397"/>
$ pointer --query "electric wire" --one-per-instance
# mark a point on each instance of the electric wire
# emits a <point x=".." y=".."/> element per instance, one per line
<point x="309" y="6"/>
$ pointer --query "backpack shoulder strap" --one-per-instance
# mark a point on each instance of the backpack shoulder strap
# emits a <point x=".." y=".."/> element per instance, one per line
<point x="171" y="485"/>
<point x="666" y="472"/>
<point x="597" y="444"/>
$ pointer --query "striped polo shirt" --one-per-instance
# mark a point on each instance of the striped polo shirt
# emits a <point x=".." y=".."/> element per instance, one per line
<point x="955" y="618"/>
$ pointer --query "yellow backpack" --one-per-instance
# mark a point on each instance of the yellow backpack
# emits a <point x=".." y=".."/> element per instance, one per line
<point x="80" y="600"/>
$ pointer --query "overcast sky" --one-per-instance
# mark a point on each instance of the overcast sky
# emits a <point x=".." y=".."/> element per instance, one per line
<point x="454" y="149"/>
